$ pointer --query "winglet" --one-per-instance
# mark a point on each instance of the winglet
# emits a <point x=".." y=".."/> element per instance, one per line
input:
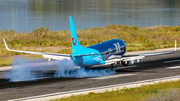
<point x="5" y="44"/>
<point x="175" y="46"/>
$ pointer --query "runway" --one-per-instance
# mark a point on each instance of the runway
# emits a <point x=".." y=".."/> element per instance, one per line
<point x="149" y="68"/>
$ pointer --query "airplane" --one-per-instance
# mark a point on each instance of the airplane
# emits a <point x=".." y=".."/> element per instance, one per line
<point x="105" y="53"/>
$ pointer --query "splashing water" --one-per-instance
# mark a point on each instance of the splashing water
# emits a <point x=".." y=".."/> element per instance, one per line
<point x="23" y="69"/>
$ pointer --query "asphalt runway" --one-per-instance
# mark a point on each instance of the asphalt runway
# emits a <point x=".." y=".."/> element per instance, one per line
<point x="151" y="67"/>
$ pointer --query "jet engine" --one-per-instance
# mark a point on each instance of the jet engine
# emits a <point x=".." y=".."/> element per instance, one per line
<point x="126" y="63"/>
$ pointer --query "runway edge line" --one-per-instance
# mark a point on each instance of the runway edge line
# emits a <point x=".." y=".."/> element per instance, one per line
<point x="102" y="89"/>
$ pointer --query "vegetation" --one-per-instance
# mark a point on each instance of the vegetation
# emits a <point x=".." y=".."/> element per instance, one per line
<point x="8" y="60"/>
<point x="172" y="94"/>
<point x="136" y="38"/>
<point x="168" y="91"/>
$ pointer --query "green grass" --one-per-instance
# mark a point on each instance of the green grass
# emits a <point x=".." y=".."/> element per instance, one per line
<point x="136" y="38"/>
<point x="8" y="60"/>
<point x="132" y="94"/>
<point x="5" y="61"/>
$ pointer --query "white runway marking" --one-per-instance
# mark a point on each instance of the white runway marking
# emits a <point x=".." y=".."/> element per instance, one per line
<point x="34" y="79"/>
<point x="112" y="76"/>
<point x="172" y="67"/>
<point x="171" y="61"/>
<point x="126" y="67"/>
<point x="47" y="97"/>
<point x="5" y="68"/>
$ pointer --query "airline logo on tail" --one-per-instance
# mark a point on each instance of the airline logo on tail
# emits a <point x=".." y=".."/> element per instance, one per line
<point x="73" y="41"/>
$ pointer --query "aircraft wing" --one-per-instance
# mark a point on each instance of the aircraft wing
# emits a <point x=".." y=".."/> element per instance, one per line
<point x="141" y="56"/>
<point x="40" y="53"/>
<point x="158" y="53"/>
<point x="115" y="59"/>
<point x="131" y="59"/>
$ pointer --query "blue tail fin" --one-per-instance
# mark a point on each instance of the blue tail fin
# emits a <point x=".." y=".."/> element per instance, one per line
<point x="74" y="39"/>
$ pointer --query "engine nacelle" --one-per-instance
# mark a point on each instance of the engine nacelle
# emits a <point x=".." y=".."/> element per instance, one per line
<point x="126" y="63"/>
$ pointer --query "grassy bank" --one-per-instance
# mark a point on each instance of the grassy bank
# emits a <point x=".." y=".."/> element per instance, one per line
<point x="168" y="91"/>
<point x="136" y="38"/>
<point x="8" y="60"/>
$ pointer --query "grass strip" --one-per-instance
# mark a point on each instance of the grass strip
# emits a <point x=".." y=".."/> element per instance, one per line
<point x="8" y="60"/>
<point x="136" y="39"/>
<point x="143" y="93"/>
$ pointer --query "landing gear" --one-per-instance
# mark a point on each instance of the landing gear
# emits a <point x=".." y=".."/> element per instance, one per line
<point x="125" y="63"/>
<point x="112" y="67"/>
